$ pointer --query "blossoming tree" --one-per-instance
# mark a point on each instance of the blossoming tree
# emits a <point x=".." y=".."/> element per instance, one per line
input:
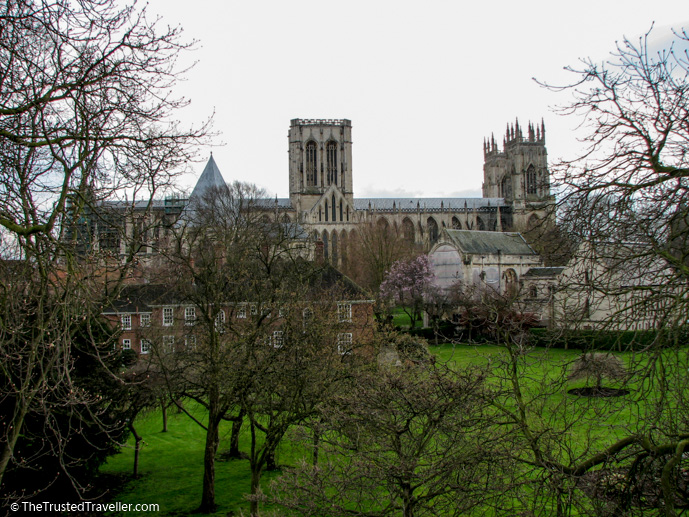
<point x="406" y="283"/>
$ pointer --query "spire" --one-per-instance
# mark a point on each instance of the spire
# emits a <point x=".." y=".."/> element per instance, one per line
<point x="210" y="178"/>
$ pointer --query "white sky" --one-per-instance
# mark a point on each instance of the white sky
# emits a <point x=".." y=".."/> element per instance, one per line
<point x="422" y="82"/>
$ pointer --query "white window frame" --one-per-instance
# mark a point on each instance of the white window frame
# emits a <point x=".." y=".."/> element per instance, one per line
<point x="126" y="321"/>
<point x="241" y="311"/>
<point x="220" y="321"/>
<point x="145" y="320"/>
<point x="126" y="344"/>
<point x="145" y="346"/>
<point x="190" y="342"/>
<point x="344" y="343"/>
<point x="168" y="344"/>
<point x="307" y="316"/>
<point x="278" y="339"/>
<point x="344" y="312"/>
<point x="190" y="315"/>
<point x="254" y="309"/>
<point x="168" y="316"/>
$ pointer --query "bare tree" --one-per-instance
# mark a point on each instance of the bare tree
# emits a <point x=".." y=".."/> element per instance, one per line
<point x="85" y="109"/>
<point x="597" y="365"/>
<point x="625" y="198"/>
<point x="265" y="326"/>
<point x="401" y="441"/>
<point x="371" y="252"/>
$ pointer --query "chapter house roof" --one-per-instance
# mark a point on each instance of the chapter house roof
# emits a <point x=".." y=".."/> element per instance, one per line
<point x="210" y="178"/>
<point x="484" y="243"/>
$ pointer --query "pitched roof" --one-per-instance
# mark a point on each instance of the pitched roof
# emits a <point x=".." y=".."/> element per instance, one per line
<point x="141" y="297"/>
<point x="412" y="204"/>
<point x="482" y="243"/>
<point x="210" y="177"/>
<point x="543" y="272"/>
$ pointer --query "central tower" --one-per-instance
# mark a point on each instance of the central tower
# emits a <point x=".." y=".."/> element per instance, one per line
<point x="320" y="159"/>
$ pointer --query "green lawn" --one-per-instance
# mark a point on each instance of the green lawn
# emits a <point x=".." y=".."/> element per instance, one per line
<point x="171" y="463"/>
<point x="171" y="468"/>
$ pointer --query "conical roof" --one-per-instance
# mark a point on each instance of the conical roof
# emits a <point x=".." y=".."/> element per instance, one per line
<point x="210" y="177"/>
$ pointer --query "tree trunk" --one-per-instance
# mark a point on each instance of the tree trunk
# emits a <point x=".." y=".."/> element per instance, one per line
<point x="270" y="460"/>
<point x="137" y="448"/>
<point x="208" y="491"/>
<point x="234" y="452"/>
<point x="163" y="407"/>
<point x="255" y="485"/>
<point x="407" y="501"/>
<point x="316" y="446"/>
<point x="8" y="449"/>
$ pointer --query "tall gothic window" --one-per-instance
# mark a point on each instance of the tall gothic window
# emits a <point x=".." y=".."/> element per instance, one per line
<point x="506" y="187"/>
<point x="341" y="219"/>
<point x="326" y="211"/>
<point x="311" y="164"/>
<point x="432" y="230"/>
<point x="334" y="208"/>
<point x="531" y="184"/>
<point x="408" y="229"/>
<point x="331" y="158"/>
<point x="334" y="248"/>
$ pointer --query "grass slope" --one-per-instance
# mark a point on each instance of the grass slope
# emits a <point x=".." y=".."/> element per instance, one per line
<point x="171" y="463"/>
<point x="171" y="468"/>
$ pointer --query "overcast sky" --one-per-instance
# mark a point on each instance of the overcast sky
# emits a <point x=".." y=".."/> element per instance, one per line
<point x="422" y="82"/>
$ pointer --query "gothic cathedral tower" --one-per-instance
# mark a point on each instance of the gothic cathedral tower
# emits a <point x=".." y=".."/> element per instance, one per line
<point x="320" y="163"/>
<point x="519" y="175"/>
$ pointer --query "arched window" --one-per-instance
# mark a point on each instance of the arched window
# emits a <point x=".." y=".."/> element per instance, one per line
<point x="456" y="225"/>
<point x="347" y="213"/>
<point x="331" y="158"/>
<point x="408" y="229"/>
<point x="220" y="320"/>
<point x="325" y="245"/>
<point x="341" y="219"/>
<point x="533" y="291"/>
<point x="511" y="282"/>
<point x="480" y="225"/>
<point x="334" y="208"/>
<point x="531" y="182"/>
<point x="286" y="219"/>
<point x="334" y="254"/>
<point x="311" y="164"/>
<point x="343" y="247"/>
<point x="307" y="316"/>
<point x="533" y="222"/>
<point x="506" y="187"/>
<point x="432" y="231"/>
<point x="326" y="211"/>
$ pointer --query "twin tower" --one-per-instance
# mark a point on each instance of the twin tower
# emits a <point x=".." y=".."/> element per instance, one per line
<point x="516" y="185"/>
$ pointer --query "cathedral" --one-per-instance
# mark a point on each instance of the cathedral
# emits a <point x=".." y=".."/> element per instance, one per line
<point x="516" y="189"/>
<point x="321" y="203"/>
